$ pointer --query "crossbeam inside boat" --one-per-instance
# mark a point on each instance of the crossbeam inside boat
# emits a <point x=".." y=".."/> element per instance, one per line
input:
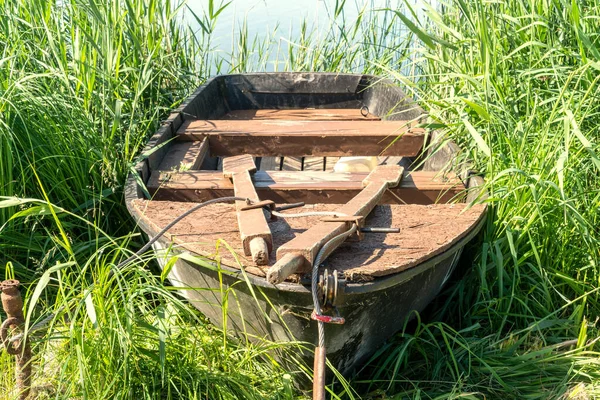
<point x="305" y="137"/>
<point x="306" y="114"/>
<point x="417" y="187"/>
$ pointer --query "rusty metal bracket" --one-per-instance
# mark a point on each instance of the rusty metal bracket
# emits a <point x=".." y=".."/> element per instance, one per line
<point x="331" y="287"/>
<point x="328" y="319"/>
<point x="12" y="303"/>
<point x="357" y="219"/>
<point x="259" y="204"/>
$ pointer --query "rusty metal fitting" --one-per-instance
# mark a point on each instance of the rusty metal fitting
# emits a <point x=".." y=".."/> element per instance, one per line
<point x="11" y="298"/>
<point x="13" y="348"/>
<point x="13" y="306"/>
<point x="327" y="319"/>
<point x="270" y="204"/>
<point x="364" y="111"/>
<point x="330" y="285"/>
<point x="9" y="285"/>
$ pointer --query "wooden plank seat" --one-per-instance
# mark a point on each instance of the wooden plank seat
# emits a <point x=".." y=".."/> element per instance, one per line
<point x="305" y="138"/>
<point x="417" y="187"/>
<point x="177" y="159"/>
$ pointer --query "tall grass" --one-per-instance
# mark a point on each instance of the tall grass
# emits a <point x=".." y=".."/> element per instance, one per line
<point x="82" y="85"/>
<point x="515" y="83"/>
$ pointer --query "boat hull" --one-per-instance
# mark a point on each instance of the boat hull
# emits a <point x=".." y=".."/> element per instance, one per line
<point x="373" y="311"/>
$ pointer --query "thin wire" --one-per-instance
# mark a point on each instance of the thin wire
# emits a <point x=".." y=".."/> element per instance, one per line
<point x="177" y="220"/>
<point x="44" y="322"/>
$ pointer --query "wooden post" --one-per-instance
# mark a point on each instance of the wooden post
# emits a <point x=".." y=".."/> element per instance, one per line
<point x="319" y="369"/>
<point x="298" y="255"/>
<point x="254" y="229"/>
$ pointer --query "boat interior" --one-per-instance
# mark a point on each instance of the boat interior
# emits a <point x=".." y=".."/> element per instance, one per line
<point x="329" y="153"/>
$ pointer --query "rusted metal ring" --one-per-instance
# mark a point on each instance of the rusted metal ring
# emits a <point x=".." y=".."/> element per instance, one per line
<point x="364" y="111"/>
<point x="9" y="285"/>
<point x="10" y="349"/>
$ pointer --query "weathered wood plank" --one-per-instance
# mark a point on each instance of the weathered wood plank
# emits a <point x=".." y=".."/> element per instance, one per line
<point x="239" y="164"/>
<point x="305" y="138"/>
<point x="184" y="156"/>
<point x="254" y="229"/>
<point x="417" y="187"/>
<point x="292" y="164"/>
<point x="307" y="245"/>
<point x="313" y="163"/>
<point x="310" y="114"/>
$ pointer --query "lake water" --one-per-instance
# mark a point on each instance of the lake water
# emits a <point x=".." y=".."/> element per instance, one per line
<point x="264" y="16"/>
<point x="280" y="20"/>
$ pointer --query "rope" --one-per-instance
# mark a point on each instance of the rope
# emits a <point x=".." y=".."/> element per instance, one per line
<point x="46" y="321"/>
<point x="315" y="278"/>
<point x="318" y="259"/>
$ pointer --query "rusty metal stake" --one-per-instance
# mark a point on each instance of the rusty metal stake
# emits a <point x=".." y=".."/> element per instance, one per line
<point x="13" y="306"/>
<point x="319" y="370"/>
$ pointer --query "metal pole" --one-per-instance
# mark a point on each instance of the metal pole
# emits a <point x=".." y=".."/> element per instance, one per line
<point x="319" y="374"/>
<point x="13" y="306"/>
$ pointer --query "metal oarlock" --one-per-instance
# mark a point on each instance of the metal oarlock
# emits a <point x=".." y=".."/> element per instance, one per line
<point x="13" y="306"/>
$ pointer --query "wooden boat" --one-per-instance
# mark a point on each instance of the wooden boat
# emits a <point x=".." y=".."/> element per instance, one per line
<point x="294" y="127"/>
